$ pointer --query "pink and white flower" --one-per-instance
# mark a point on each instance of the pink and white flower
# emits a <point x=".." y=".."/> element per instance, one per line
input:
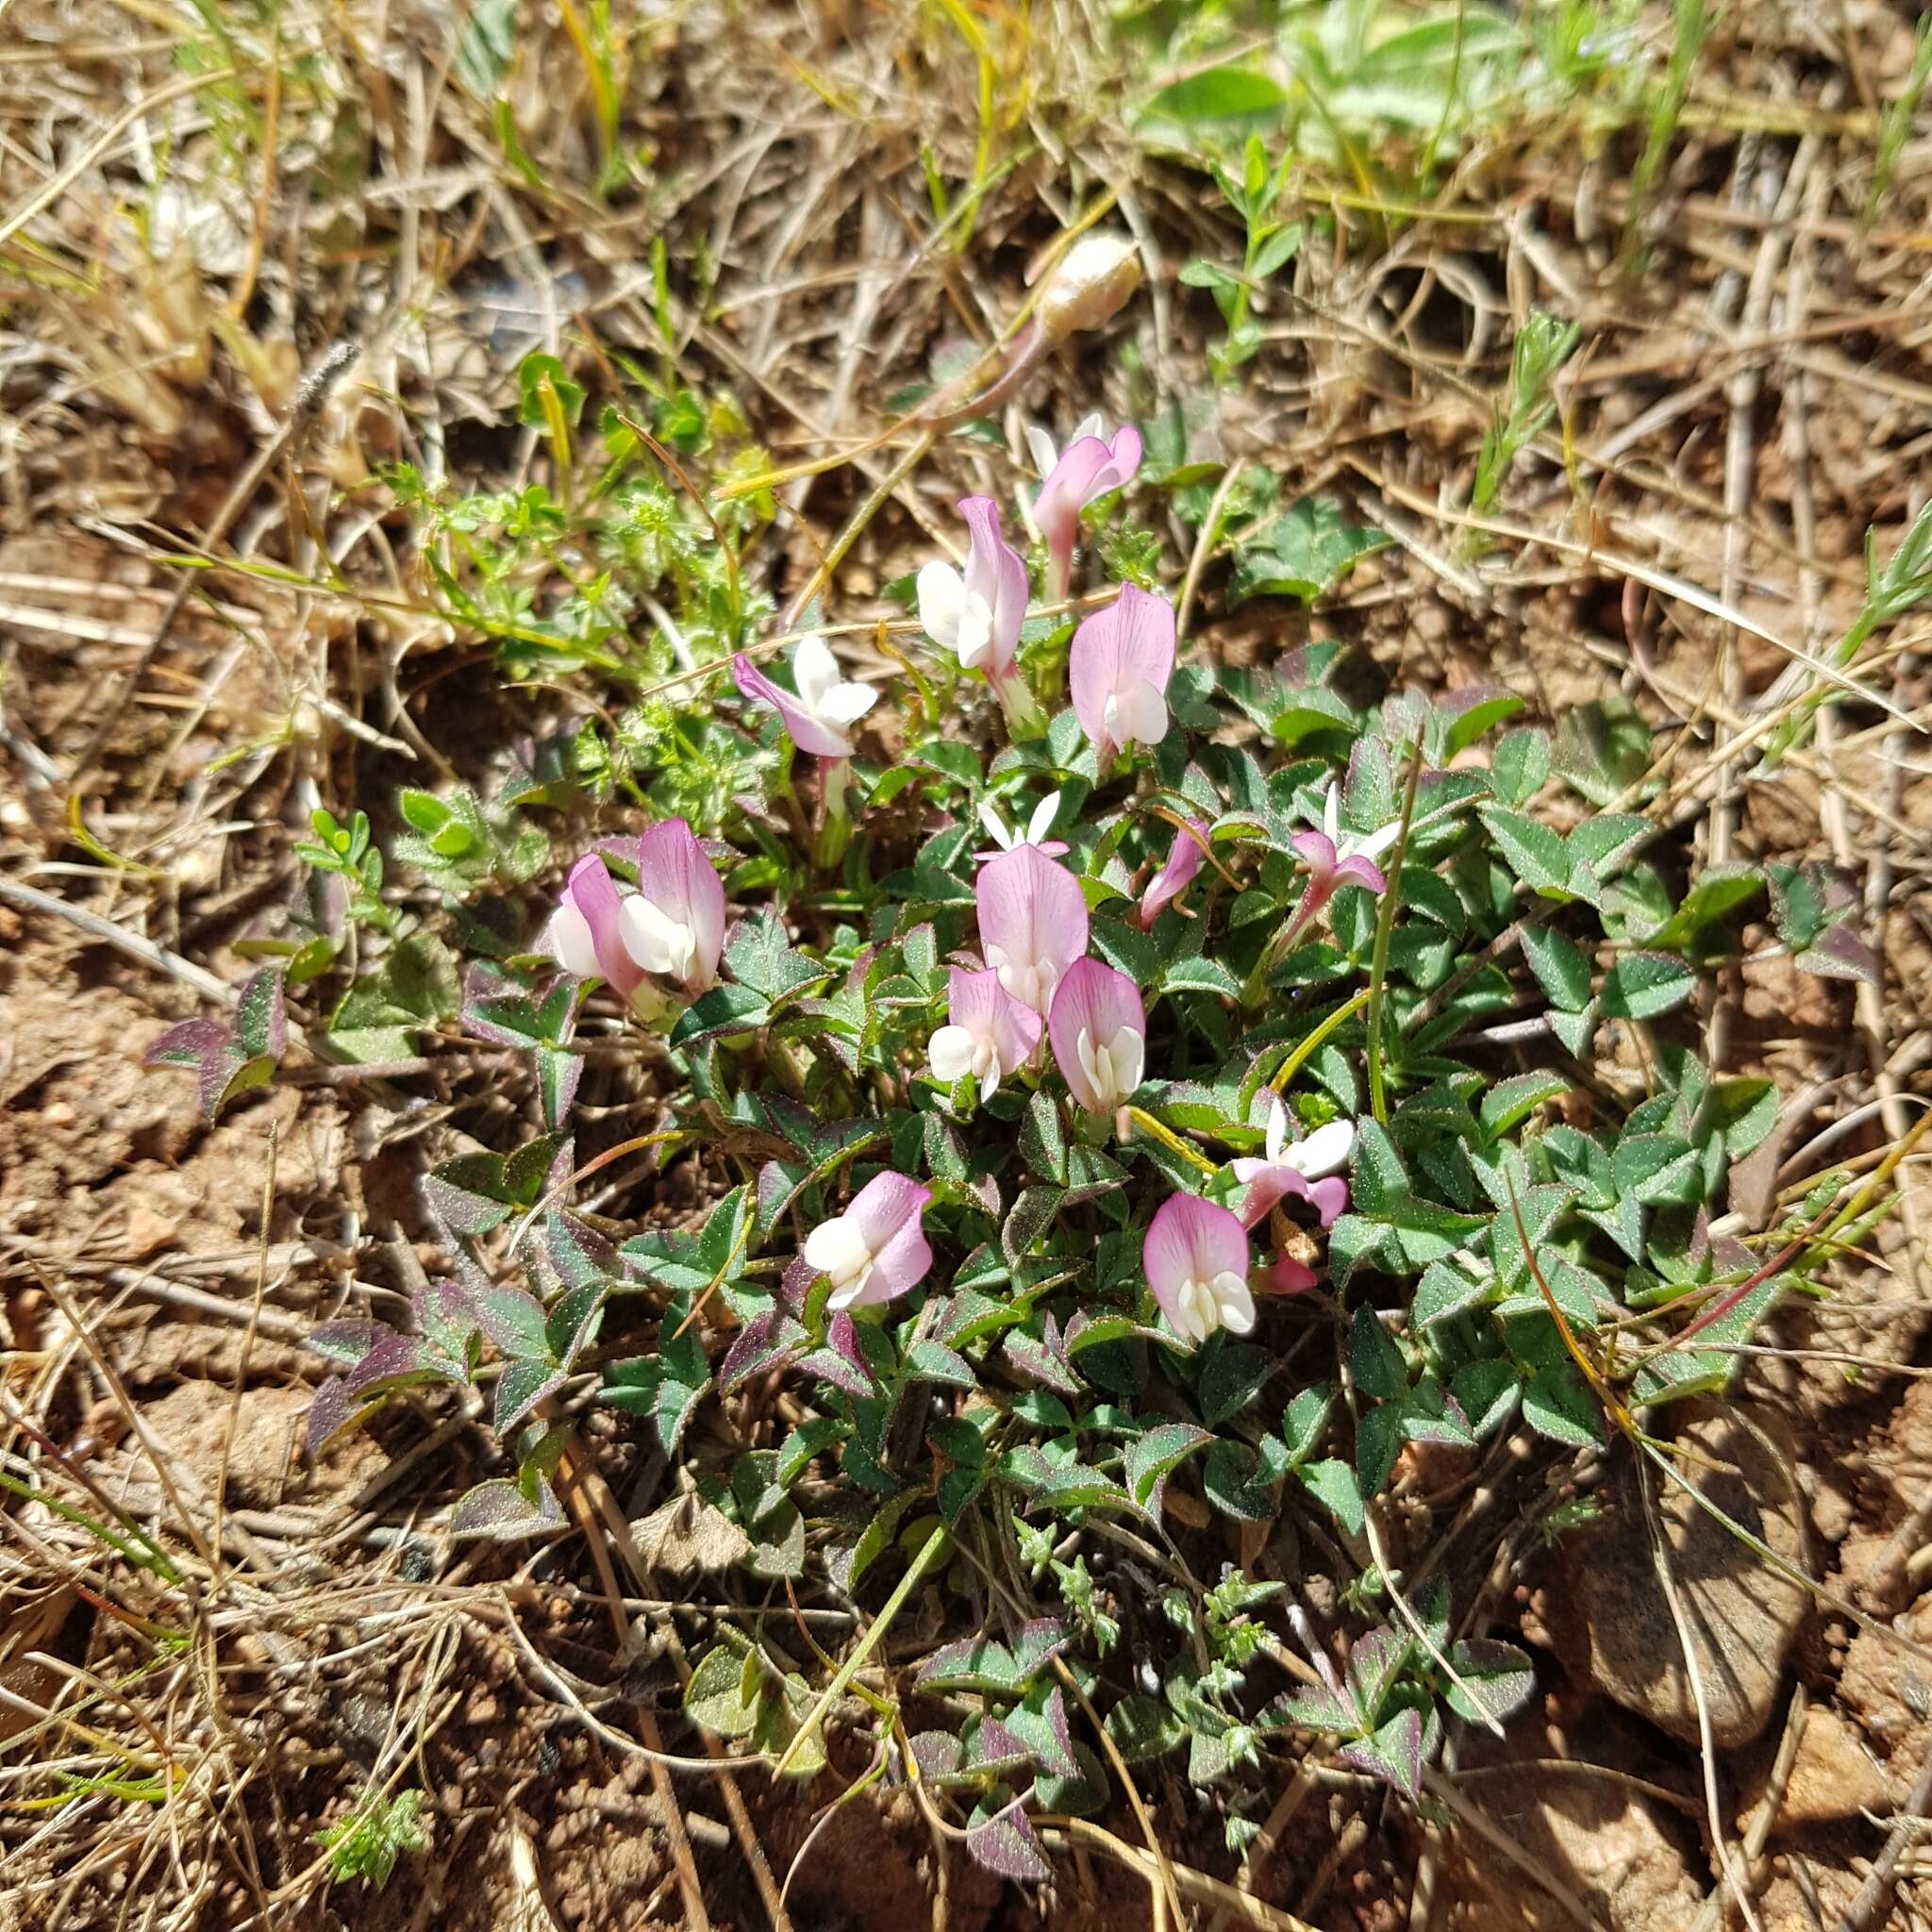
<point x="876" y="1250"/>
<point x="988" y="1033"/>
<point x="826" y="706"/>
<point x="1306" y="1170"/>
<point x="1184" y="859"/>
<point x="1083" y="473"/>
<point x="1032" y="923"/>
<point x="1039" y="823"/>
<point x="673" y="923"/>
<point x="977" y="616"/>
<point x="1118" y="668"/>
<point x="1196" y="1259"/>
<point x="585" y="935"/>
<point x="1099" y="1030"/>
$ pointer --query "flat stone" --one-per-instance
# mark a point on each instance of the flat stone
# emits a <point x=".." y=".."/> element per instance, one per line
<point x="1612" y="1621"/>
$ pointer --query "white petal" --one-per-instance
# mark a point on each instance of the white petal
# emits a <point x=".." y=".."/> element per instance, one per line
<point x="570" y="944"/>
<point x="815" y="671"/>
<point x="1044" y="455"/>
<point x="1234" y="1306"/>
<point x="844" y="703"/>
<point x="1376" y="843"/>
<point x="1088" y="426"/>
<point x="837" y="1248"/>
<point x="656" y="940"/>
<point x="1331" y="813"/>
<point x="1001" y="832"/>
<point x="1324" y="1152"/>
<point x="1093" y="1064"/>
<point x="973" y="638"/>
<point x="1195" y="1313"/>
<point x="845" y="1294"/>
<point x="950" y="1051"/>
<point x="1040" y="823"/>
<point x="941" y="596"/>
<point x="1277" y="1130"/>
<point x="1127" y="1059"/>
<point x="1139" y="713"/>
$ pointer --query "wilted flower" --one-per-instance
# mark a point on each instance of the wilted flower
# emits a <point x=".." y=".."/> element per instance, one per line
<point x="1184" y="859"/>
<point x="1118" y="668"/>
<point x="1087" y="286"/>
<point x="674" y="922"/>
<point x="826" y="705"/>
<point x="1286" y="1275"/>
<point x="1007" y="840"/>
<point x="1083" y="473"/>
<point x="1301" y="1170"/>
<point x="876" y="1250"/>
<point x="1196" y="1259"/>
<point x="586" y="932"/>
<point x="1032" y="923"/>
<point x="1099" y="1030"/>
<point x="988" y="1034"/>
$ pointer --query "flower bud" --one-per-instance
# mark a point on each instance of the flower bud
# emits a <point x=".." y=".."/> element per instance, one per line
<point x="1088" y="286"/>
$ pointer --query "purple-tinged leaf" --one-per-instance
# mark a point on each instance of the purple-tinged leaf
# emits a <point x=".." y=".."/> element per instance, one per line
<point x="1039" y="1642"/>
<point x="333" y="1411"/>
<point x="574" y="1320"/>
<point x="577" y="1254"/>
<point x="187" y="1043"/>
<point x="1041" y="1724"/>
<point x="557" y="1074"/>
<point x="1393" y="1752"/>
<point x="446" y="1318"/>
<point x="1838" y="953"/>
<point x="1376" y="1661"/>
<point x="469" y="1195"/>
<point x="978" y="1663"/>
<point x="499" y="1010"/>
<point x="1152" y="1456"/>
<point x="393" y="1359"/>
<point x="512" y="1319"/>
<point x="499" y="1509"/>
<point x="768" y="1339"/>
<point x="996" y="1748"/>
<point x="1006" y="1846"/>
<point x="1311" y="1709"/>
<point x="1039" y="1362"/>
<point x="521" y="1386"/>
<point x="939" y="1756"/>
<point x="1500" y="1678"/>
<point x="261" y="1018"/>
<point x="347" y="1342"/>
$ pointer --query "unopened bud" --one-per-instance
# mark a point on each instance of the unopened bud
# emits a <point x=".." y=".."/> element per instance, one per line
<point x="1089" y="287"/>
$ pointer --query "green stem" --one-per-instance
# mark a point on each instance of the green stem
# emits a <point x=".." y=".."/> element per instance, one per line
<point x="1169" y="1139"/>
<point x="1300" y="1056"/>
<point x="1385" y="926"/>
<point x="929" y="1554"/>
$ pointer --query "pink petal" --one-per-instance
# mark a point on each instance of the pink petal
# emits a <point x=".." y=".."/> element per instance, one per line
<point x="1184" y="859"/>
<point x="1031" y="910"/>
<point x="1093" y="999"/>
<point x="1316" y="850"/>
<point x="593" y="892"/>
<point x="1288" y="1276"/>
<point x="808" y="733"/>
<point x="996" y="573"/>
<point x="1070" y="489"/>
<point x="1330" y="1197"/>
<point x="1268" y="1182"/>
<point x="887" y="1212"/>
<point x="1131" y="642"/>
<point x="979" y="1003"/>
<point x="677" y="878"/>
<point x="1358" y="870"/>
<point x="1190" y="1239"/>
